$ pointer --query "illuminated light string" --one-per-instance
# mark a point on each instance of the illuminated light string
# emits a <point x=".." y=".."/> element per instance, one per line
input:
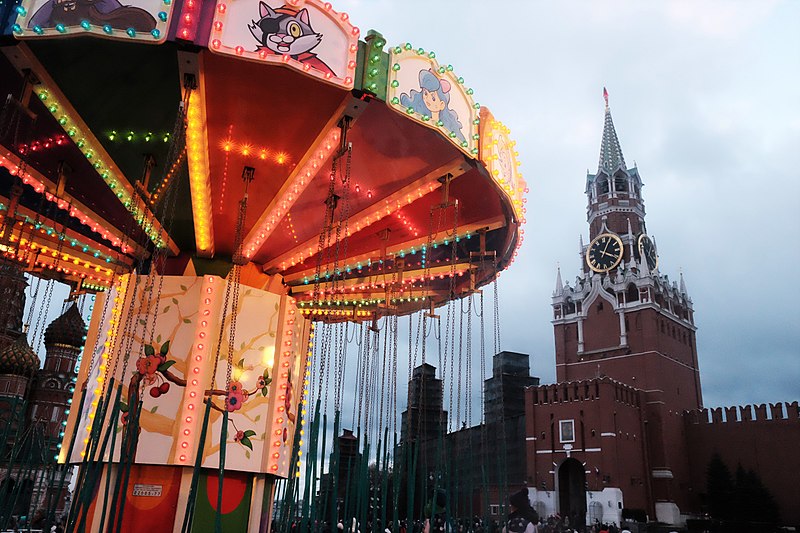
<point x="50" y="231"/>
<point x="195" y="375"/>
<point x="199" y="183"/>
<point x="102" y="168"/>
<point x="408" y="47"/>
<point x="401" y="253"/>
<point x="290" y="225"/>
<point x="61" y="457"/>
<point x="367" y="220"/>
<point x="246" y="149"/>
<point x="187" y="29"/>
<point x="85" y="25"/>
<point x="227" y="149"/>
<point x="136" y="136"/>
<point x="516" y="194"/>
<point x="405" y="284"/>
<point x="39" y="187"/>
<point x="220" y="19"/>
<point x="292" y="192"/>
<point x="119" y="301"/>
<point x="52" y="265"/>
<point x="46" y="144"/>
<point x="287" y="352"/>
<point x="167" y="179"/>
<point x="44" y="249"/>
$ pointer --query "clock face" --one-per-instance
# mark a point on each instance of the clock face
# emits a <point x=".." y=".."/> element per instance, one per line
<point x="648" y="250"/>
<point x="604" y="252"/>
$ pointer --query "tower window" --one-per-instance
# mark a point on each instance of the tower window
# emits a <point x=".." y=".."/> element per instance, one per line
<point x="620" y="184"/>
<point x="603" y="186"/>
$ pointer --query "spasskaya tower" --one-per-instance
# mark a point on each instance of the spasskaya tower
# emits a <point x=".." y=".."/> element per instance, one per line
<point x="622" y="317"/>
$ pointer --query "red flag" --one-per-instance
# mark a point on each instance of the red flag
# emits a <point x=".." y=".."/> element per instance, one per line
<point x="605" y="95"/>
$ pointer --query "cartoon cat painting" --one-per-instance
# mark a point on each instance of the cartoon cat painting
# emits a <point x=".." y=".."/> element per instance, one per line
<point x="96" y="12"/>
<point x="285" y="31"/>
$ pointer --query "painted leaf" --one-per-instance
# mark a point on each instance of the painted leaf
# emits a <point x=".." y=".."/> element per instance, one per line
<point x="175" y="301"/>
<point x="272" y="334"/>
<point x="260" y="348"/>
<point x="123" y="407"/>
<point x="248" y="292"/>
<point x="154" y="409"/>
<point x="249" y="433"/>
<point x="264" y="391"/>
<point x="187" y="321"/>
<point x="240" y="364"/>
<point x="247" y="454"/>
<point x="149" y="350"/>
<point x="165" y="348"/>
<point x="166" y="308"/>
<point x="158" y="339"/>
<point x="142" y="321"/>
<point x="246" y="442"/>
<point x="184" y="288"/>
<point x="163" y="367"/>
<point x="257" y="418"/>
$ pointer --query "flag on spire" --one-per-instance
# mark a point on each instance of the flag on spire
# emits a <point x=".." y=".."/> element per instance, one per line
<point x="605" y="96"/>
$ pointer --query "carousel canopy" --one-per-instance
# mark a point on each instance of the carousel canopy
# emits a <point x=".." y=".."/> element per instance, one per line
<point x="379" y="184"/>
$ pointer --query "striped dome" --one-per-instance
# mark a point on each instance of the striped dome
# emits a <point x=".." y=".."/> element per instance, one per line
<point x="19" y="358"/>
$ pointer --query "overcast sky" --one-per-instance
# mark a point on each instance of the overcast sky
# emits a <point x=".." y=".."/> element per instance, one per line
<point x="706" y="100"/>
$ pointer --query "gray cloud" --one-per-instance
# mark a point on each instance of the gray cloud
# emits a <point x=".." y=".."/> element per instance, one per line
<point x="704" y="98"/>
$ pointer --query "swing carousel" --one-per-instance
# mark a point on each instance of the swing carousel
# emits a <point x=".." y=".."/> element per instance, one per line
<point x="250" y="191"/>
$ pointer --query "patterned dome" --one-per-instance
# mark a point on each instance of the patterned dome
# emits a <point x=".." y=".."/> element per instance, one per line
<point x="19" y="358"/>
<point x="67" y="329"/>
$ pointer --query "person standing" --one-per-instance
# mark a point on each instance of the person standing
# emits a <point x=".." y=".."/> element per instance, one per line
<point x="522" y="518"/>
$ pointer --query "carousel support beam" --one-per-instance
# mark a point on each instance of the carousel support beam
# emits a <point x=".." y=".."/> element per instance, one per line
<point x="67" y="116"/>
<point x="381" y="209"/>
<point x="42" y="185"/>
<point x="350" y="287"/>
<point x="117" y="262"/>
<point x="297" y="278"/>
<point x="193" y="75"/>
<point x="326" y="144"/>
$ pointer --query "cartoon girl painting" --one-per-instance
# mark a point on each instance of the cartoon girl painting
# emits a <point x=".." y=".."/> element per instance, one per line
<point x="433" y="100"/>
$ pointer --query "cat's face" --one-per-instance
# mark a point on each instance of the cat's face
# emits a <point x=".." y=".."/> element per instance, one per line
<point x="284" y="34"/>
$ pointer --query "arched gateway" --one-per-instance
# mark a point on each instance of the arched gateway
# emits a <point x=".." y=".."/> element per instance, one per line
<point x="572" y="491"/>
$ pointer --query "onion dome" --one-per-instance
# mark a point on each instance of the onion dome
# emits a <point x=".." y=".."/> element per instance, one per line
<point x="19" y="358"/>
<point x="69" y="329"/>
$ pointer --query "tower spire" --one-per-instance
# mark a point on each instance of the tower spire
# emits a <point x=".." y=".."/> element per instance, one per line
<point x="560" y="284"/>
<point x="610" y="151"/>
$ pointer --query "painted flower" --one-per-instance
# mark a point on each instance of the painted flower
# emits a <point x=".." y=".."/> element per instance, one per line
<point x="235" y="386"/>
<point x="148" y="365"/>
<point x="124" y="417"/>
<point x="262" y="382"/>
<point x="234" y="401"/>
<point x="239" y="436"/>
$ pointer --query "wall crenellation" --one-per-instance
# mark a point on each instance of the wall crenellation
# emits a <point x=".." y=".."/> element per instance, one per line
<point x="745" y="413"/>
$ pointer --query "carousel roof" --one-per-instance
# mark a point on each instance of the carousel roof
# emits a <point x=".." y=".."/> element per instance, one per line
<point x="138" y="141"/>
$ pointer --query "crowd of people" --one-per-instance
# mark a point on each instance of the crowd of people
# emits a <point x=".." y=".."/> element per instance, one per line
<point x="522" y="518"/>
